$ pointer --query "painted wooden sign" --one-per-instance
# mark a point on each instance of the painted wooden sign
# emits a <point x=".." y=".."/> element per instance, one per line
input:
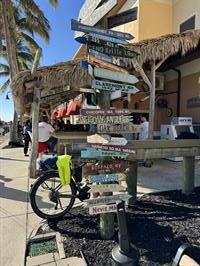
<point x="100" y="119"/>
<point x="112" y="86"/>
<point x="102" y="209"/>
<point x="109" y="112"/>
<point x="77" y="26"/>
<point x="105" y="178"/>
<point x="106" y="188"/>
<point x="123" y="128"/>
<point x="98" y="38"/>
<point x="106" y="147"/>
<point x="107" y="199"/>
<point x="106" y="139"/>
<point x="110" y="59"/>
<point x="93" y="153"/>
<point x="113" y="75"/>
<point x="115" y="166"/>
<point x="84" y="64"/>
<point x="111" y="50"/>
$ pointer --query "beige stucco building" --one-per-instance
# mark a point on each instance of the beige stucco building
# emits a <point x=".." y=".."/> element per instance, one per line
<point x="146" y="19"/>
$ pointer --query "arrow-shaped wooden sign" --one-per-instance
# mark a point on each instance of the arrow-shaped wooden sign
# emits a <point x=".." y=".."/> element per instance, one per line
<point x="109" y="50"/>
<point x="106" y="188"/>
<point x="77" y="26"/>
<point x="93" y="153"/>
<point x="100" y="119"/>
<point x="106" y="139"/>
<point x="113" y="86"/>
<point x="113" y="166"/>
<point x="106" y="147"/>
<point x="113" y="75"/>
<point x="120" y="129"/>
<point x="107" y="200"/>
<point x="105" y="178"/>
<point x="102" y="209"/>
<point x="108" y="112"/>
<point x="98" y="38"/>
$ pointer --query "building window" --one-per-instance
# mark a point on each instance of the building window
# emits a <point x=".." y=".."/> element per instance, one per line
<point x="189" y="24"/>
<point x="122" y="18"/>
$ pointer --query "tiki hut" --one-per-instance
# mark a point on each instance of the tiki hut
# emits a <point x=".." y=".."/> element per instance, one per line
<point x="58" y="83"/>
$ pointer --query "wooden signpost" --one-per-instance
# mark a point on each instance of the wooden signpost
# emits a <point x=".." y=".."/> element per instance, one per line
<point x="120" y="129"/>
<point x="77" y="26"/>
<point x="109" y="112"/>
<point x="101" y="39"/>
<point x="99" y="119"/>
<point x="105" y="178"/>
<point x="102" y="209"/>
<point x="93" y="153"/>
<point x="106" y="188"/>
<point x="113" y="75"/>
<point x="113" y="148"/>
<point x="111" y="50"/>
<point x="113" y="86"/>
<point x="115" y="166"/>
<point x="106" y="139"/>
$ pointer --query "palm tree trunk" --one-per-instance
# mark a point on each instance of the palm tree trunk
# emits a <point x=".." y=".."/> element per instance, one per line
<point x="9" y="26"/>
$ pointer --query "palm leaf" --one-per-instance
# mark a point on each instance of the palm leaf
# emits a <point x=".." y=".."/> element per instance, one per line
<point x="54" y="3"/>
<point x="4" y="74"/>
<point x="4" y="67"/>
<point x="31" y="43"/>
<point x="5" y="86"/>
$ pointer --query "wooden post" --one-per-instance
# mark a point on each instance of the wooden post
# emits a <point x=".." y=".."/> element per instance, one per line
<point x="152" y="100"/>
<point x="131" y="181"/>
<point x="35" y="120"/>
<point x="35" y="108"/>
<point x="107" y="229"/>
<point x="188" y="183"/>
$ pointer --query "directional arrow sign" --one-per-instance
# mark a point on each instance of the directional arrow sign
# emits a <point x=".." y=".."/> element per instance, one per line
<point x="100" y="119"/>
<point x="102" y="209"/>
<point x="117" y="166"/>
<point x="113" y="75"/>
<point x="106" y="200"/>
<point x="117" y="141"/>
<point x="116" y="148"/>
<point x="120" y="129"/>
<point x="109" y="50"/>
<point x="98" y="38"/>
<point x="77" y="26"/>
<point x="108" y="112"/>
<point x="93" y="153"/>
<point x="106" y="139"/>
<point x="111" y="86"/>
<point x="111" y="59"/>
<point x="106" y="188"/>
<point x="105" y="178"/>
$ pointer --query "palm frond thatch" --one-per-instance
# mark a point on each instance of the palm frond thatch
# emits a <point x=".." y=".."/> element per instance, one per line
<point x="50" y="78"/>
<point x="5" y="86"/>
<point x="165" y="46"/>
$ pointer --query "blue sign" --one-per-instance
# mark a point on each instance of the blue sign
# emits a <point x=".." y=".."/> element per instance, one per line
<point x="77" y="26"/>
<point x="94" y="153"/>
<point x="84" y="64"/>
<point x="100" y="38"/>
<point x="111" y="59"/>
<point x="104" y="178"/>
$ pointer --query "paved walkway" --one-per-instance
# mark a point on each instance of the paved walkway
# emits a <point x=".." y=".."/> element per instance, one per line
<point x="13" y="206"/>
<point x="164" y="175"/>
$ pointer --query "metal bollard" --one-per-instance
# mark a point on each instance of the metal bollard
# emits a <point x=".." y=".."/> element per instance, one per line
<point x="124" y="253"/>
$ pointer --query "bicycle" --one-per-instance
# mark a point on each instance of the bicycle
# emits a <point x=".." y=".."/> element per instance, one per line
<point x="48" y="187"/>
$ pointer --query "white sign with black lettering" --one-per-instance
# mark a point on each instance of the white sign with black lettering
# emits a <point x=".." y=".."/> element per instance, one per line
<point x="102" y="209"/>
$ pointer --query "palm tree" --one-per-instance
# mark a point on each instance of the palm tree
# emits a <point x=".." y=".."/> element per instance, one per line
<point x="35" y="21"/>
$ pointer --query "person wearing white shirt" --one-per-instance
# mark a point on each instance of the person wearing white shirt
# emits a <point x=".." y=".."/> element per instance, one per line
<point x="45" y="131"/>
<point x="144" y="128"/>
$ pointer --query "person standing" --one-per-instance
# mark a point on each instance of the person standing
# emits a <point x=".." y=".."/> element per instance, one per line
<point x="144" y="128"/>
<point x="27" y="139"/>
<point x="45" y="132"/>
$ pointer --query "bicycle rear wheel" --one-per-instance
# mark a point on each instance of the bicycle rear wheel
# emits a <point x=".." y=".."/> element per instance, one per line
<point x="49" y="199"/>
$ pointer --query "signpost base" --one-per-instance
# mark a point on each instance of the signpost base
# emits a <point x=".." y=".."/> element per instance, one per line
<point x="107" y="229"/>
<point x="131" y="181"/>
<point x="129" y="259"/>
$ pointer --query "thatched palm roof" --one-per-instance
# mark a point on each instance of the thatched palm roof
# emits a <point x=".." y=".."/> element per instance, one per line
<point x="57" y="83"/>
<point x="165" y="46"/>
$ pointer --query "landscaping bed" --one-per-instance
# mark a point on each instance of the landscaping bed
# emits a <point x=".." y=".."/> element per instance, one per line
<point x="158" y="224"/>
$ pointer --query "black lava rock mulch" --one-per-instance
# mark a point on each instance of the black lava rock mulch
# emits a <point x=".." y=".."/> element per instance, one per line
<point x="158" y="224"/>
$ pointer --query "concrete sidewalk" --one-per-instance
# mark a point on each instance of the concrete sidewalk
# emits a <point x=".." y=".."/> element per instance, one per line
<point x="164" y="175"/>
<point x="13" y="206"/>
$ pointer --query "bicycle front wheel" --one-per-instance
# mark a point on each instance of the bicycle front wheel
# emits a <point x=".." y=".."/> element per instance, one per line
<point x="49" y="199"/>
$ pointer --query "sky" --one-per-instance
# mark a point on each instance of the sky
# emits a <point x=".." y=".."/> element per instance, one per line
<point x="62" y="45"/>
